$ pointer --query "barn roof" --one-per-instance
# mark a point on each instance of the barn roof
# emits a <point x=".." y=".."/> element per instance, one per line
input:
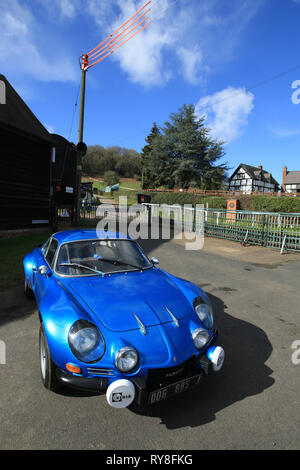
<point x="292" y="177"/>
<point x="15" y="113"/>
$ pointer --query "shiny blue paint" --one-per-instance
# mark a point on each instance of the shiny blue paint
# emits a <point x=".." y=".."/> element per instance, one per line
<point x="109" y="302"/>
<point x="210" y="352"/>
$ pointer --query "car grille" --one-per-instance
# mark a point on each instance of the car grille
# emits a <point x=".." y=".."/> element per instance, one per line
<point x="157" y="377"/>
<point x="99" y="371"/>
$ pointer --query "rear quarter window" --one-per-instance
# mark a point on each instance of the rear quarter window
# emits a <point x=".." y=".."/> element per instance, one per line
<point x="51" y="251"/>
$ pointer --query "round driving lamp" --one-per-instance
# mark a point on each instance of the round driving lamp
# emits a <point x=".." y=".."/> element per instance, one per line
<point x="126" y="359"/>
<point x="86" y="342"/>
<point x="204" y="313"/>
<point x="200" y="337"/>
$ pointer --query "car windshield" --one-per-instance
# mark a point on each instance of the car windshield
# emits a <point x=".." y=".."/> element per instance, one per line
<point x="90" y="257"/>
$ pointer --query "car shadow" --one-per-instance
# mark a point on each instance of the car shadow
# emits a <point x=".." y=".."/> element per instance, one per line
<point x="14" y="305"/>
<point x="244" y="374"/>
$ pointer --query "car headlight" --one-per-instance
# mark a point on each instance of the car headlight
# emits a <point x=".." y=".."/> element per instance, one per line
<point x="200" y="337"/>
<point x="204" y="313"/>
<point x="126" y="359"/>
<point x="86" y="341"/>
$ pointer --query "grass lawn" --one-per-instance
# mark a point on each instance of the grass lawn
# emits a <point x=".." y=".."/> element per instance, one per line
<point x="125" y="183"/>
<point x="12" y="252"/>
<point x="136" y="185"/>
<point x="96" y="184"/>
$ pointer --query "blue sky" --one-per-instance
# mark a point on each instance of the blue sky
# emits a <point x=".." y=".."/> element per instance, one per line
<point x="212" y="53"/>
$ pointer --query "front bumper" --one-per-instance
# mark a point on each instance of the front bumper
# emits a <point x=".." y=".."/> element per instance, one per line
<point x="145" y="390"/>
<point x="144" y="387"/>
<point x="93" y="385"/>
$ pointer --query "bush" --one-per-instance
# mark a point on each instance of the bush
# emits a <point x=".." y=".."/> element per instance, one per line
<point x="276" y="204"/>
<point x="187" y="198"/>
<point x="111" y="178"/>
<point x="247" y="202"/>
<point x="131" y="195"/>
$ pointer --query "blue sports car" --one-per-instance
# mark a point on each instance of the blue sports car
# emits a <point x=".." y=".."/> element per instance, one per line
<point x="112" y="321"/>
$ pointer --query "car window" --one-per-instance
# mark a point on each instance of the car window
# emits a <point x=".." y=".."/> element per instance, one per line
<point x="100" y="256"/>
<point x="45" y="246"/>
<point x="51" y="251"/>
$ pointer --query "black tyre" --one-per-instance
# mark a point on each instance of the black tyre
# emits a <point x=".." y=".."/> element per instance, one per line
<point x="48" y="367"/>
<point x="27" y="291"/>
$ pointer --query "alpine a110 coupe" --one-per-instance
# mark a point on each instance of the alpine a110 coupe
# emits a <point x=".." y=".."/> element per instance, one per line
<point x="112" y="321"/>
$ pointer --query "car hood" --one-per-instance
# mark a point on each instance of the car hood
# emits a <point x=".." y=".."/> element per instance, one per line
<point x="116" y="298"/>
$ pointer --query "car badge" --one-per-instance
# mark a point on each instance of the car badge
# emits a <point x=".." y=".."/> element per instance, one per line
<point x="174" y="319"/>
<point x="141" y="325"/>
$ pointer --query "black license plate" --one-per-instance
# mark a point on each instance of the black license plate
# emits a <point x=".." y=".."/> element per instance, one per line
<point x="173" y="389"/>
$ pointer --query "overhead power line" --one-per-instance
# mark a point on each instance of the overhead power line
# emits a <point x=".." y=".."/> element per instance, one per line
<point x="96" y="55"/>
<point x="109" y="45"/>
<point x="233" y="95"/>
<point x="135" y="25"/>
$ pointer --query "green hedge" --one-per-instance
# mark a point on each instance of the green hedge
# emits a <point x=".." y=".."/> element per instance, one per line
<point x="188" y="198"/>
<point x="131" y="195"/>
<point x="247" y="203"/>
<point x="276" y="204"/>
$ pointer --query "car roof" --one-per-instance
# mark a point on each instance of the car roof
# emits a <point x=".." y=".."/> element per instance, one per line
<point x="85" y="234"/>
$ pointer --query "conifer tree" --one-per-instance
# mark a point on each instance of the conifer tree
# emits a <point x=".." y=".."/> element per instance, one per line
<point x="183" y="154"/>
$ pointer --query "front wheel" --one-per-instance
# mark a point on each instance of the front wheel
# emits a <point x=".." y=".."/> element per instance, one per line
<point x="28" y="291"/>
<point x="47" y="365"/>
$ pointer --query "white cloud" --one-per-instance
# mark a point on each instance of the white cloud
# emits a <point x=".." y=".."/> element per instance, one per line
<point x="67" y="8"/>
<point x="284" y="132"/>
<point x="142" y="57"/>
<point x="191" y="63"/>
<point x="59" y="9"/>
<point x="227" y="112"/>
<point x="190" y="33"/>
<point x="183" y="38"/>
<point x="20" y="51"/>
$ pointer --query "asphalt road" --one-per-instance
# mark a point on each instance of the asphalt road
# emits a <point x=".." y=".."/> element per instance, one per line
<point x="253" y="403"/>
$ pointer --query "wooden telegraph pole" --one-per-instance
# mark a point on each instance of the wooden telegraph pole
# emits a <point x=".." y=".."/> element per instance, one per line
<point x="81" y="147"/>
<point x="103" y="50"/>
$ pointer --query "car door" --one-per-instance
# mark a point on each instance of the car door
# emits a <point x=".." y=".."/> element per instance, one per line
<point x="38" y="260"/>
<point x="45" y="260"/>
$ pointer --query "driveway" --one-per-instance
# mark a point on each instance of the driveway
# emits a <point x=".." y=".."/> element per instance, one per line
<point x="253" y="403"/>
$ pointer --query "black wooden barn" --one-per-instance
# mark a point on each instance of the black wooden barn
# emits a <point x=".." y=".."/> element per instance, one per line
<point x="33" y="163"/>
<point x="63" y="172"/>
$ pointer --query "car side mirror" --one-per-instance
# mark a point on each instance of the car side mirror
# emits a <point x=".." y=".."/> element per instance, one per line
<point x="155" y="260"/>
<point x="43" y="270"/>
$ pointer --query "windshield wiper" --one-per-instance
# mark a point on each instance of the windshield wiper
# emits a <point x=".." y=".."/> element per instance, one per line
<point x="120" y="263"/>
<point x="80" y="266"/>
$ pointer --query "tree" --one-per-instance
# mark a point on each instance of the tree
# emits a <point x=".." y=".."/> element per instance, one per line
<point x="146" y="153"/>
<point x="184" y="155"/>
<point x="98" y="160"/>
<point x="111" y="178"/>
